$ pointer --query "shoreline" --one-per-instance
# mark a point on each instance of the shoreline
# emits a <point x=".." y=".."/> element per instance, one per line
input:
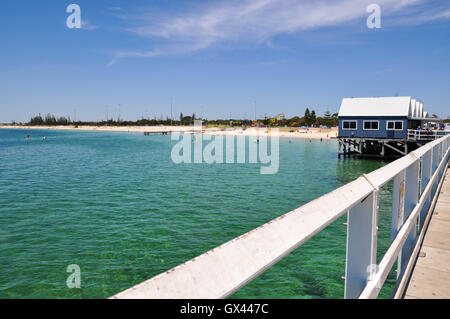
<point x="311" y="133"/>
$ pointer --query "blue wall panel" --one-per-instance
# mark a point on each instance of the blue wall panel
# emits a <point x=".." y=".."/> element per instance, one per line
<point x="380" y="133"/>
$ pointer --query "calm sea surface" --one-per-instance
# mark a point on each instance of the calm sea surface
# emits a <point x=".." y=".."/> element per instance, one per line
<point x="117" y="206"/>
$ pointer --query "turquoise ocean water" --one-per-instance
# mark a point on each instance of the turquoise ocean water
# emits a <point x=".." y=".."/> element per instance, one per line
<point x="117" y="206"/>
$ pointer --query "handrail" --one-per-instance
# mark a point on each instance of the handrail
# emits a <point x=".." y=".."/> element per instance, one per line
<point x="403" y="283"/>
<point x="223" y="270"/>
<point x="374" y="284"/>
<point x="425" y="135"/>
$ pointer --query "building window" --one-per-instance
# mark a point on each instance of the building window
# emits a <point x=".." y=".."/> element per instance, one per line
<point x="370" y="125"/>
<point x="394" y="125"/>
<point x="349" y="125"/>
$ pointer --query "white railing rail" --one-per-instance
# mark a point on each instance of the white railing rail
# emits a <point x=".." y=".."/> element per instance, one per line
<point x="425" y="135"/>
<point x="223" y="270"/>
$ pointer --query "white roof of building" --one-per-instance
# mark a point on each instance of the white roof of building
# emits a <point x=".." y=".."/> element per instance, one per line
<point x="412" y="108"/>
<point x="381" y="106"/>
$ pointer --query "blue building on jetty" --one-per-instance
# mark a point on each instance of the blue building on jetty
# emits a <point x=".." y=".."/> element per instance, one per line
<point x="380" y="126"/>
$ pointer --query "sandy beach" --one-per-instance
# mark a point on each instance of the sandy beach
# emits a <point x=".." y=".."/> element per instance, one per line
<point x="311" y="133"/>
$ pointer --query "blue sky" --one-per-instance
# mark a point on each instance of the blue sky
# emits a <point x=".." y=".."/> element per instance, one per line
<point x="217" y="57"/>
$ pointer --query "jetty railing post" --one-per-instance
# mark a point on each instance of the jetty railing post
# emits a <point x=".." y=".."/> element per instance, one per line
<point x="439" y="150"/>
<point x="435" y="159"/>
<point x="398" y="201"/>
<point x="435" y="164"/>
<point x="425" y="179"/>
<point x="361" y="254"/>
<point x="411" y="200"/>
<point x="442" y="155"/>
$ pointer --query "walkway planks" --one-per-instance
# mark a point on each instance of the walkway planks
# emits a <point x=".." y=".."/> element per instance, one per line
<point x="431" y="275"/>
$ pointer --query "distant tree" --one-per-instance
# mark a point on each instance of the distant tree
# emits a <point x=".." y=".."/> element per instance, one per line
<point x="272" y="121"/>
<point x="36" y="120"/>
<point x="334" y="119"/>
<point x="327" y="114"/>
<point x="187" y="120"/>
<point x="62" y="121"/>
<point x="302" y="122"/>
<point x="313" y="117"/>
<point x="307" y="117"/>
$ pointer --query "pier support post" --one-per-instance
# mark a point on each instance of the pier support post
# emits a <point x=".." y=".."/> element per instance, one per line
<point x="361" y="245"/>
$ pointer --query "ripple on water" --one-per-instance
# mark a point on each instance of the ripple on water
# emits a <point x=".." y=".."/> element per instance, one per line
<point x="116" y="205"/>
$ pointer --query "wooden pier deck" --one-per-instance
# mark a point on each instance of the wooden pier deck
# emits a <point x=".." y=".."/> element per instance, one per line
<point x="431" y="275"/>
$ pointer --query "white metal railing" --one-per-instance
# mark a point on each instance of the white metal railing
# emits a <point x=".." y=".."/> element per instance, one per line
<point x="425" y="135"/>
<point x="225" y="269"/>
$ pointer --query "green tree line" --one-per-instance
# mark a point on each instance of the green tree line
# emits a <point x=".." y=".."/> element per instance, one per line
<point x="309" y="119"/>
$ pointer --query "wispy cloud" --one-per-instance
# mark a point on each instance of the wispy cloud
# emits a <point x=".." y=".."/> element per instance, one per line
<point x="268" y="63"/>
<point x="115" y="8"/>
<point x="418" y="16"/>
<point x="384" y="71"/>
<point x="86" y="25"/>
<point x="118" y="12"/>
<point x="252" y="22"/>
